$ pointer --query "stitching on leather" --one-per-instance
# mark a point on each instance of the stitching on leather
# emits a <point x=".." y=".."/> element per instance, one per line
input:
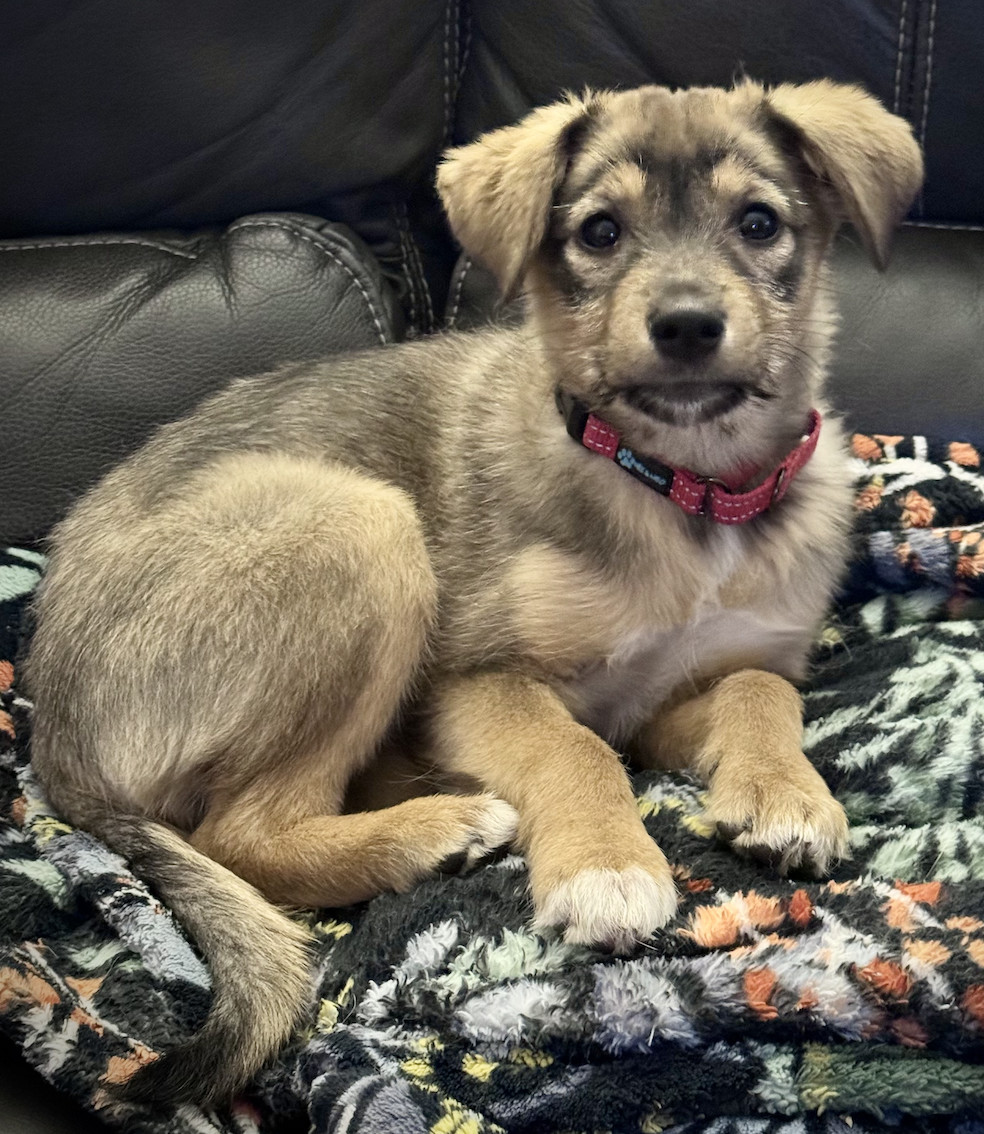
<point x="424" y="286"/>
<point x="411" y="266"/>
<point x="945" y="226"/>
<point x="897" y="105"/>
<point x="458" y="289"/>
<point x="465" y="48"/>
<point x="405" y="266"/>
<point x="447" y="67"/>
<point x="333" y="256"/>
<point x="449" y="8"/>
<point x="88" y="242"/>
<point x="419" y="268"/>
<point x="929" y="72"/>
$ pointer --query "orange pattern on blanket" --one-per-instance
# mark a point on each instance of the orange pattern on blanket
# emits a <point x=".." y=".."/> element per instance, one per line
<point x="866" y="447"/>
<point x="800" y="908"/>
<point x="869" y="497"/>
<point x="713" y="927"/>
<point x="964" y="454"/>
<point x="887" y="977"/>
<point x="926" y="892"/>
<point x="917" y="511"/>
<point x="25" y="987"/>
<point x="122" y="1067"/>
<point x="929" y="952"/>
<point x="759" y="986"/>
<point x="973" y="1002"/>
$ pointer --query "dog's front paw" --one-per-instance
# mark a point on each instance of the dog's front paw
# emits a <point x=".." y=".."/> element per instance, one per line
<point x="785" y="817"/>
<point x="610" y="909"/>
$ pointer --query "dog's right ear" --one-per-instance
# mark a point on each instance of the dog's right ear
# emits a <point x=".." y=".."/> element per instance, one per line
<point x="498" y="191"/>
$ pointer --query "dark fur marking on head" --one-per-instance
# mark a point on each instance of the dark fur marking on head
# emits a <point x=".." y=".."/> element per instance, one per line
<point x="567" y="282"/>
<point x="676" y="176"/>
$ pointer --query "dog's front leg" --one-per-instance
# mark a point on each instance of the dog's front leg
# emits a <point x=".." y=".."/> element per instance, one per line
<point x="593" y="868"/>
<point x="744" y="736"/>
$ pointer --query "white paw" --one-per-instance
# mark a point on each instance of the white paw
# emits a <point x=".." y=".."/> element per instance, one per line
<point x="496" y="827"/>
<point x="610" y="909"/>
<point x="491" y="825"/>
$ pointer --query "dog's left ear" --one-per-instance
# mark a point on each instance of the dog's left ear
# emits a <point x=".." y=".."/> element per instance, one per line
<point x="867" y="155"/>
<point x="498" y="191"/>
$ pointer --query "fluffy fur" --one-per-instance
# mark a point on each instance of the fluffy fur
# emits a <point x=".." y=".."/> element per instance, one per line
<point x="458" y="610"/>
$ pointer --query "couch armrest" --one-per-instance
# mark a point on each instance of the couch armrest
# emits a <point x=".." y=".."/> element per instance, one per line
<point x="104" y="337"/>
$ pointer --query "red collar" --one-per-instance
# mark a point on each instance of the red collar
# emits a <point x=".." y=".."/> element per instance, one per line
<point x="696" y="495"/>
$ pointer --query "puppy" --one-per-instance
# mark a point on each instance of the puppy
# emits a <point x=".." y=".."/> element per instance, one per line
<point x="504" y="557"/>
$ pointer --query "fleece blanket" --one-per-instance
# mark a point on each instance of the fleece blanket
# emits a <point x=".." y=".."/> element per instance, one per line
<point x="769" y="1005"/>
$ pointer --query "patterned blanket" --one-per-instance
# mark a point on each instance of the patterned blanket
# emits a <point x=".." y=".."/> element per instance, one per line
<point x="769" y="1005"/>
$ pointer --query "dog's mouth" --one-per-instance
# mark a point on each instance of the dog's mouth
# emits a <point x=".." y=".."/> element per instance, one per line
<point x="689" y="403"/>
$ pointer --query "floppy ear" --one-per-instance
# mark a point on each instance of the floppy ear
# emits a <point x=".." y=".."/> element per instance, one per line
<point x="498" y="191"/>
<point x="866" y="154"/>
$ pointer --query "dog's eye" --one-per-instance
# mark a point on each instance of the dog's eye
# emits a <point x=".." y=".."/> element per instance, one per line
<point x="758" y="222"/>
<point x="600" y="231"/>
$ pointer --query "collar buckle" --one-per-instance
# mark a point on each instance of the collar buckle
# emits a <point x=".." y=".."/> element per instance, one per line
<point x="709" y="482"/>
<point x="777" y="488"/>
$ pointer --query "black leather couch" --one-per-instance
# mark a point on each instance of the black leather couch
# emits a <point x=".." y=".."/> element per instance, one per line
<point x="196" y="191"/>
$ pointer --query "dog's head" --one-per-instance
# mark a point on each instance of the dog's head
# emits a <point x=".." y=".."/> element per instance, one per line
<point x="672" y="247"/>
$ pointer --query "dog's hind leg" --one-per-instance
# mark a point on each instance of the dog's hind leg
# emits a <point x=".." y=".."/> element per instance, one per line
<point x="219" y="661"/>
<point x="249" y="642"/>
<point x="300" y="856"/>
<point x="355" y="602"/>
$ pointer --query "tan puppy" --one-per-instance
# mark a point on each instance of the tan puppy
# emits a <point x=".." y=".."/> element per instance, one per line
<point x="413" y="555"/>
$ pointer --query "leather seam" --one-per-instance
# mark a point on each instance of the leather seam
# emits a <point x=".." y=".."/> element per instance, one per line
<point x="458" y="289"/>
<point x="335" y="259"/>
<point x="405" y="266"/>
<point x="448" y="9"/>
<point x="466" y="21"/>
<point x="944" y="225"/>
<point x="899" y="57"/>
<point x="418" y="264"/>
<point x="90" y="242"/>
<point x="929" y="73"/>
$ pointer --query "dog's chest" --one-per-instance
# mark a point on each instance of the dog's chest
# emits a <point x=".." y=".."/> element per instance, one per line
<point x="615" y="694"/>
<point x="615" y="653"/>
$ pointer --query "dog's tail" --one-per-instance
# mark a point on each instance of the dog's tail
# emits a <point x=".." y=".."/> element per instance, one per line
<point x="259" y="960"/>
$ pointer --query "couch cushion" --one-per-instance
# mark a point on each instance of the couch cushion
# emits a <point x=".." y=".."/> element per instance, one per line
<point x="137" y="116"/>
<point x="105" y="337"/>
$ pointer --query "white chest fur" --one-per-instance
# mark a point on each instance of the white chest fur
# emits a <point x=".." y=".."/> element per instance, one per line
<point x="616" y="694"/>
<point x="616" y="652"/>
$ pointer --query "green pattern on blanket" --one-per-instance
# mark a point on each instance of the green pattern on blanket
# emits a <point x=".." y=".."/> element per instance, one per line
<point x="769" y="1006"/>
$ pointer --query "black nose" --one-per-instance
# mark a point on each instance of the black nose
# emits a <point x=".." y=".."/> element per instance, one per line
<point x="687" y="334"/>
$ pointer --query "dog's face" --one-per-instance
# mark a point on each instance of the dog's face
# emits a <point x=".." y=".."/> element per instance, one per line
<point x="672" y="246"/>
